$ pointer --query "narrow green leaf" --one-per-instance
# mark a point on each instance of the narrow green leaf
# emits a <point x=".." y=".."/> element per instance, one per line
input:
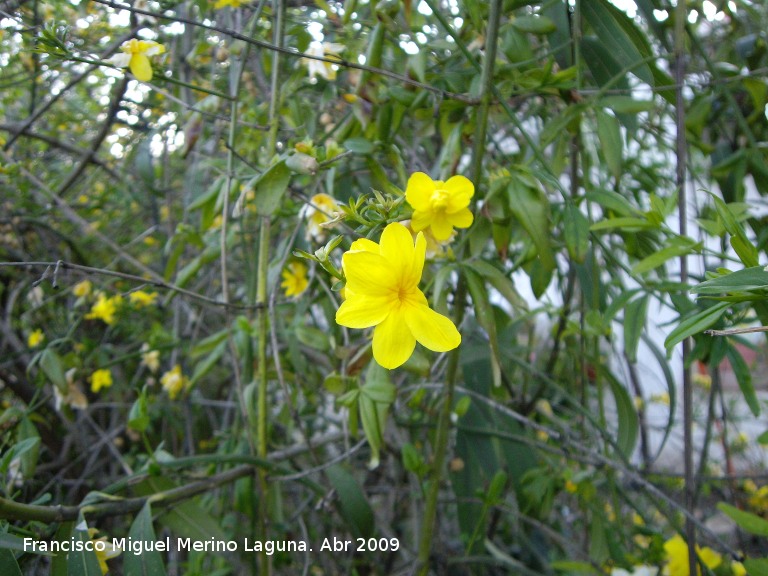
<point x="53" y="367"/>
<point x="627" y="224"/>
<point x="609" y="134"/>
<point x="353" y="505"/>
<point x="534" y="24"/>
<point x="660" y="257"/>
<point x="627" y="433"/>
<point x="531" y="209"/>
<point x="83" y="562"/>
<point x="59" y="561"/>
<point x="754" y="278"/>
<point x="270" y="187"/>
<point x="149" y="562"/>
<point x="576" y="233"/>
<point x="611" y="200"/>
<point x="8" y="564"/>
<point x="500" y="281"/>
<point x="614" y="34"/>
<point x="747" y="521"/>
<point x="634" y="323"/>
<point x="744" y="378"/>
<point x="486" y="319"/>
<point x="626" y="104"/>
<point x="695" y="324"/>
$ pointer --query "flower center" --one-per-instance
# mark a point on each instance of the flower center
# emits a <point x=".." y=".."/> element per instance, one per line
<point x="439" y="199"/>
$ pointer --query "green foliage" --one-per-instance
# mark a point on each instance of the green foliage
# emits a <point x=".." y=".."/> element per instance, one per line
<point x="157" y="373"/>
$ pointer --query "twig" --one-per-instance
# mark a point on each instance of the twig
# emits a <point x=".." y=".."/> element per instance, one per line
<point x="732" y="331"/>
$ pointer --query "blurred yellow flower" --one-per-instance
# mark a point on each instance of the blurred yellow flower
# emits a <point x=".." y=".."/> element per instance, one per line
<point x="105" y="308"/>
<point x="738" y="569"/>
<point x="439" y="205"/>
<point x="82" y="289"/>
<point x="150" y="358"/>
<point x="35" y="338"/>
<point x="571" y="487"/>
<point x="104" y="552"/>
<point x="135" y="54"/>
<point x="382" y="290"/>
<point x="140" y="299"/>
<point x="676" y="549"/>
<point x="294" y="279"/>
<point x="101" y="378"/>
<point x="174" y="382"/>
<point x="232" y="3"/>
<point x="320" y="212"/>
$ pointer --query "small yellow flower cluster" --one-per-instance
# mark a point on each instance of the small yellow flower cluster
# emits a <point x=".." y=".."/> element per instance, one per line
<point x="174" y="382"/>
<point x="35" y="338"/>
<point x="105" y="308"/>
<point x="101" y="378"/>
<point x="150" y="358"/>
<point x="82" y="289"/>
<point x="757" y="497"/>
<point x="676" y="549"/>
<point x="140" y="299"/>
<point x="294" y="279"/>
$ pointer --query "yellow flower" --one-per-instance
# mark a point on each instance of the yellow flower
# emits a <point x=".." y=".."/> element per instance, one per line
<point x="35" y="338"/>
<point x="737" y="568"/>
<point x="677" y="557"/>
<point x="319" y="67"/>
<point x="150" y="358"/>
<point x="294" y="279"/>
<point x="382" y="291"/>
<point x="82" y="289"/>
<point x="571" y="487"/>
<point x="101" y="378"/>
<point x="662" y="398"/>
<point x="174" y="382"/>
<point x="105" y="551"/>
<point x="105" y="308"/>
<point x="233" y="3"/>
<point x="439" y="205"/>
<point x="320" y="211"/>
<point x="135" y="54"/>
<point x="140" y="299"/>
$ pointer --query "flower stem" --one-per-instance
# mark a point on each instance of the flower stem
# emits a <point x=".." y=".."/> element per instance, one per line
<point x="444" y="423"/>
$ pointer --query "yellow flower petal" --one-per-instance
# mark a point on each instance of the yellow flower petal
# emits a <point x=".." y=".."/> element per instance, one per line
<point x="362" y="311"/>
<point x="419" y="190"/>
<point x="393" y="342"/>
<point x="368" y="273"/>
<point x="460" y="191"/>
<point x="364" y="245"/>
<point x="141" y="67"/>
<point x="431" y="329"/>
<point x="461" y="219"/>
<point x="420" y="221"/>
<point x="441" y="227"/>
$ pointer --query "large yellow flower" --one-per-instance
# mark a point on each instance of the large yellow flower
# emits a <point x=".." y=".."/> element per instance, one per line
<point x="677" y="556"/>
<point x="135" y="54"/>
<point x="383" y="291"/>
<point x="439" y="205"/>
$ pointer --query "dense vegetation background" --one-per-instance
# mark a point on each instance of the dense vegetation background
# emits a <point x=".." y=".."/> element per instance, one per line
<point x="179" y="182"/>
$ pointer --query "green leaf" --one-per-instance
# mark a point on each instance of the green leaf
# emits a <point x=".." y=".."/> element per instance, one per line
<point x="353" y="505"/>
<point x="59" y="561"/>
<point x="661" y="256"/>
<point x="695" y="324"/>
<point x="747" y="521"/>
<point x="574" y="567"/>
<point x="534" y="24"/>
<point x="756" y="567"/>
<point x="83" y="562"/>
<point x="626" y="104"/>
<point x="634" y="323"/>
<point x="53" y="367"/>
<point x="614" y="29"/>
<point x="8" y="564"/>
<point x="627" y="224"/>
<point x="270" y="187"/>
<point x="609" y="134"/>
<point x="754" y="278"/>
<point x="374" y="400"/>
<point x="12" y="542"/>
<point x="359" y="145"/>
<point x="138" y="417"/>
<point x="576" y="233"/>
<point x="486" y="319"/>
<point x="149" y="562"/>
<point x="744" y="378"/>
<point x="611" y="200"/>
<point x="500" y="281"/>
<point x="202" y="368"/>
<point x="628" y="425"/>
<point x="531" y="209"/>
